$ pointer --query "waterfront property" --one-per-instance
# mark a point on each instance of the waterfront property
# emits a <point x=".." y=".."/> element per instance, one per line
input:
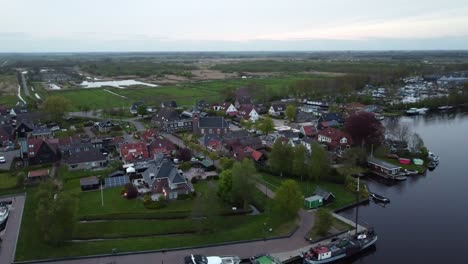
<point x="383" y="168"/>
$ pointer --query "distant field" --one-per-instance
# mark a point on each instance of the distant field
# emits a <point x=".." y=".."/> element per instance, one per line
<point x="8" y="89"/>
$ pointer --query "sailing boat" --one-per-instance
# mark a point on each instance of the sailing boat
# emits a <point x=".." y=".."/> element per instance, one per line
<point x="343" y="247"/>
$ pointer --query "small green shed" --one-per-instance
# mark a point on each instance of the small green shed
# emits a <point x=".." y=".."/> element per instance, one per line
<point x="313" y="202"/>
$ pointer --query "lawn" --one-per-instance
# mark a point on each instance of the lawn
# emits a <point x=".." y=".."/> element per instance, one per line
<point x="337" y="227"/>
<point x="140" y="233"/>
<point x="343" y="196"/>
<point x="411" y="166"/>
<point x="7" y="181"/>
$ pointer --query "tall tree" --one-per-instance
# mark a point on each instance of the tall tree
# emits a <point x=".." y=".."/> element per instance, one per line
<point x="225" y="186"/>
<point x="56" y="106"/>
<point x="266" y="125"/>
<point x="278" y="159"/>
<point x="288" y="200"/>
<point x="141" y="110"/>
<point x="290" y="112"/>
<point x="364" y="128"/>
<point x="243" y="182"/>
<point x="319" y="164"/>
<point x="324" y="221"/>
<point x="299" y="166"/>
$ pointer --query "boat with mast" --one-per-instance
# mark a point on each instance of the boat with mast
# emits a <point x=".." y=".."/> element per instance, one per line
<point x="344" y="247"/>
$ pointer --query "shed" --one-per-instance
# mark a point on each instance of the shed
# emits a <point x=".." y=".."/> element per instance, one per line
<point x="327" y="196"/>
<point x="313" y="202"/>
<point x="38" y="175"/>
<point x="89" y="183"/>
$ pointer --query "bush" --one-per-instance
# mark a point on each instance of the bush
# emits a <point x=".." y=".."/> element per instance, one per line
<point x="130" y="191"/>
<point x="213" y="177"/>
<point x="185" y="166"/>
<point x="194" y="180"/>
<point x="156" y="205"/>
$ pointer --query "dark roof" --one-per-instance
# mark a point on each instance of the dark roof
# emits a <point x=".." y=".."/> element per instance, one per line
<point x="307" y="140"/>
<point x="166" y="114"/>
<point x="85" y="156"/>
<point x="289" y="134"/>
<point x="116" y="174"/>
<point x="323" y="193"/>
<point x="161" y="170"/>
<point x="236" y="134"/>
<point x="332" y="116"/>
<point x="304" y="117"/>
<point x="40" y="131"/>
<point x="106" y="123"/>
<point x="213" y="122"/>
<point x="208" y="137"/>
<point x="135" y="105"/>
<point x="93" y="180"/>
<point x="279" y="106"/>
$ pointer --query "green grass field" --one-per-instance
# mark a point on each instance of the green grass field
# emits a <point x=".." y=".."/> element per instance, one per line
<point x="7" y="181"/>
<point x="130" y="222"/>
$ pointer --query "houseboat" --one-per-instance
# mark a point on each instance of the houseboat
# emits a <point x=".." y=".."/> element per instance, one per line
<point x="385" y="170"/>
<point x="201" y="259"/>
<point x="339" y="249"/>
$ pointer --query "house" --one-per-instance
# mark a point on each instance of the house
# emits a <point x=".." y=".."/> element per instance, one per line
<point x="212" y="142"/>
<point x="303" y="117"/>
<point x="327" y="197"/>
<point x="309" y="131"/>
<point x="277" y="109"/>
<point x="334" y="139"/>
<point x="41" y="132"/>
<point x="383" y="168"/>
<point x="132" y="152"/>
<point x="86" y="160"/>
<point x="217" y="125"/>
<point x="248" y="112"/>
<point x="105" y="126"/>
<point x="227" y="108"/>
<point x="327" y="124"/>
<point x="165" y="180"/>
<point x="169" y="120"/>
<point x="161" y="145"/>
<point x="307" y="143"/>
<point x="134" y="107"/>
<point x="243" y="97"/>
<point x="24" y="128"/>
<point x="38" y="175"/>
<point x="148" y="135"/>
<point x="289" y="134"/>
<point x="327" y="117"/>
<point x="41" y="151"/>
<point x="89" y="183"/>
<point x="312" y="109"/>
<point x="6" y="135"/>
<point x="171" y="104"/>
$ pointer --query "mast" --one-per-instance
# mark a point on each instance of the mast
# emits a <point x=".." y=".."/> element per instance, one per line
<point x="357" y="204"/>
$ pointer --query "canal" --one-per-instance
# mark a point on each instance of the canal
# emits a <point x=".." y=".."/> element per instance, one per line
<point x="426" y="221"/>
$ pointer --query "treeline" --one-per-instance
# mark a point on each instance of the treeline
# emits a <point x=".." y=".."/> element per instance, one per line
<point x="316" y="88"/>
<point x="113" y="68"/>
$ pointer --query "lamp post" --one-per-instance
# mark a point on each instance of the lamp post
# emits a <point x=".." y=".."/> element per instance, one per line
<point x="357" y="204"/>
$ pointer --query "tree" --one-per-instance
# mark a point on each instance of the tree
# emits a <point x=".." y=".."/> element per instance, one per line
<point x="141" y="110"/>
<point x="226" y="163"/>
<point x="299" y="166"/>
<point x="265" y="125"/>
<point x="364" y="128"/>
<point x="324" y="221"/>
<point x="184" y="154"/>
<point x="319" y="164"/>
<point x="243" y="182"/>
<point x="247" y="124"/>
<point x="225" y="186"/>
<point x="55" y="215"/>
<point x="213" y="155"/>
<point x="278" y="161"/>
<point x="56" y="107"/>
<point x="401" y="132"/>
<point x="130" y="191"/>
<point x="288" y="199"/>
<point x="290" y="112"/>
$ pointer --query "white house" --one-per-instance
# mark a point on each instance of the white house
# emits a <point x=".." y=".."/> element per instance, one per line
<point x="249" y="113"/>
<point x="277" y="109"/>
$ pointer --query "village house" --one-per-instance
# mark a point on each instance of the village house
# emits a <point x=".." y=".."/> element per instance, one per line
<point x="160" y="145"/>
<point x="86" y="160"/>
<point x="217" y="125"/>
<point x="134" y="107"/>
<point x="165" y="180"/>
<point x="105" y="126"/>
<point x="89" y="183"/>
<point x="169" y="120"/>
<point x="248" y="112"/>
<point x="41" y="151"/>
<point x="132" y="152"/>
<point x="148" y="135"/>
<point x="309" y="131"/>
<point x="303" y="117"/>
<point x="328" y="117"/>
<point x="243" y="97"/>
<point x="277" y="109"/>
<point x="227" y="108"/>
<point x="327" y="124"/>
<point x="24" y="128"/>
<point x="212" y="142"/>
<point x="307" y="143"/>
<point x="41" y="132"/>
<point x="334" y="139"/>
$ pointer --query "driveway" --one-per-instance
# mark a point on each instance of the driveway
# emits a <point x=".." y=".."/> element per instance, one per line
<point x="9" y="156"/>
<point x="10" y="234"/>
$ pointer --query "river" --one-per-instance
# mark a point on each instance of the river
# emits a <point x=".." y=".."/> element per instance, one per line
<point x="426" y="221"/>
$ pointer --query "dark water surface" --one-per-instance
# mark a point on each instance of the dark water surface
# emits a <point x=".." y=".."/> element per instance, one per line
<point x="427" y="219"/>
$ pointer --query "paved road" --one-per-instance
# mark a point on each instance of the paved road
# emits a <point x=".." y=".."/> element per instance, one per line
<point x="25" y="85"/>
<point x="10" y="234"/>
<point x="134" y="121"/>
<point x="9" y="156"/>
<point x="244" y="250"/>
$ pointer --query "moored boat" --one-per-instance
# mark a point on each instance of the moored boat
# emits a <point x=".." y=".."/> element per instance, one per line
<point x="432" y="165"/>
<point x="341" y="248"/>
<point x="412" y="111"/>
<point x="201" y="259"/>
<point x="4" y="212"/>
<point x="422" y="111"/>
<point x="379" y="198"/>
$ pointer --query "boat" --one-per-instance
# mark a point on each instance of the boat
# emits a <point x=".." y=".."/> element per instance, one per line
<point x="400" y="178"/>
<point x="379" y="117"/>
<point x="433" y="157"/>
<point x="412" y="111"/>
<point x="379" y="198"/>
<point x="4" y="212"/>
<point x="422" y="111"/>
<point x="341" y="248"/>
<point x="432" y="165"/>
<point x="264" y="259"/>
<point x="201" y="259"/>
<point x="410" y="172"/>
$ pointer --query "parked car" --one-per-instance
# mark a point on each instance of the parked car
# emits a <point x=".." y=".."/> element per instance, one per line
<point x="2" y="159"/>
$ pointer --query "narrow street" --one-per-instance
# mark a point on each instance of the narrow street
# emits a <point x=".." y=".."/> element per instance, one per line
<point x="10" y="235"/>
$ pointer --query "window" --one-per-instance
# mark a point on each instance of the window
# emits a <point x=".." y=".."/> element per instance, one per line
<point x="210" y="131"/>
<point x="31" y="153"/>
<point x="31" y="146"/>
<point x="203" y="130"/>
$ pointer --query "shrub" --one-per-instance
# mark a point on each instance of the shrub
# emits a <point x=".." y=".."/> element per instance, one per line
<point x="130" y="191"/>
<point x="194" y="180"/>
<point x="156" y="205"/>
<point x="185" y="166"/>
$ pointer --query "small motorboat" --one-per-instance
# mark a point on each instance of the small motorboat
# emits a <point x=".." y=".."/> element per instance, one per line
<point x="201" y="259"/>
<point x="400" y="178"/>
<point x="423" y="111"/>
<point x="379" y="198"/>
<point x="433" y="157"/>
<point x="432" y="165"/>
<point x="412" y="111"/>
<point x="410" y="172"/>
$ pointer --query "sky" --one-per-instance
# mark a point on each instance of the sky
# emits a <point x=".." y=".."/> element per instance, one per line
<point x="227" y="25"/>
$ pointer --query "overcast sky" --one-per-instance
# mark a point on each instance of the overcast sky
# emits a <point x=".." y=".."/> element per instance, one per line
<point x="218" y="25"/>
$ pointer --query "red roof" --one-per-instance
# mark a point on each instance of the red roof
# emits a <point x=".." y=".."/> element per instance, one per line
<point x="335" y="135"/>
<point x="38" y="173"/>
<point x="255" y="154"/>
<point x="309" y="130"/>
<point x="214" y="144"/>
<point x="321" y="250"/>
<point x="161" y="145"/>
<point x="134" y="151"/>
<point x="148" y="134"/>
